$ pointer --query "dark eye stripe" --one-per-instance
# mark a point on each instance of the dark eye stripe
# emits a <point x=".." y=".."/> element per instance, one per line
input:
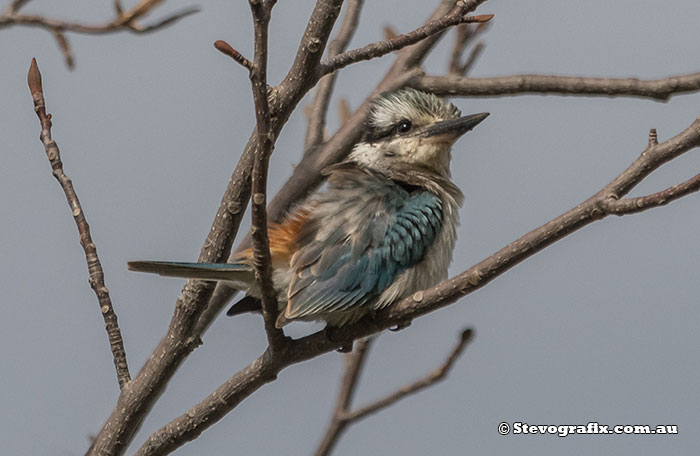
<point x="375" y="134"/>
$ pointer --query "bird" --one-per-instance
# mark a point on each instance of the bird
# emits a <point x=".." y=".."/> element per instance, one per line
<point x="383" y="228"/>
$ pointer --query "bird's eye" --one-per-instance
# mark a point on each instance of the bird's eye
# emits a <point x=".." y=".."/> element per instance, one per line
<point x="404" y="127"/>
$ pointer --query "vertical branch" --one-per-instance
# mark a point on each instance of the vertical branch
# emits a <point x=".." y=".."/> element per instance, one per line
<point x="261" y="243"/>
<point x="93" y="262"/>
<point x="319" y="108"/>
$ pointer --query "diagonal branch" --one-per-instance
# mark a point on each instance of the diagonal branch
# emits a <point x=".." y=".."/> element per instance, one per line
<point x="342" y="416"/>
<point x="455" y="85"/>
<point x="95" y="270"/>
<point x="378" y="49"/>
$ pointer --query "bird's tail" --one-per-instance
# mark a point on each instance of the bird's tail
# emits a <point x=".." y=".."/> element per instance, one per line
<point x="237" y="275"/>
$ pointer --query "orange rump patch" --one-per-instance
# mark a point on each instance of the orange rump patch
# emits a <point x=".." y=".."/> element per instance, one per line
<point x="283" y="238"/>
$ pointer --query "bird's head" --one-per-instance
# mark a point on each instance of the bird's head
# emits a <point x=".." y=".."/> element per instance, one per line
<point x="408" y="127"/>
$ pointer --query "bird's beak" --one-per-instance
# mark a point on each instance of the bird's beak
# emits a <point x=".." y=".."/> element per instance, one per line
<point x="450" y="130"/>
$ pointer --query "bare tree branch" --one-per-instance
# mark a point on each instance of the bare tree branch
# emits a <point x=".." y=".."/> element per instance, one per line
<point x="472" y="58"/>
<point x="343" y="416"/>
<point x="454" y="85"/>
<point x="265" y="368"/>
<point x="95" y="270"/>
<point x="122" y="21"/>
<point x="164" y="22"/>
<point x="265" y="135"/>
<point x="319" y="108"/>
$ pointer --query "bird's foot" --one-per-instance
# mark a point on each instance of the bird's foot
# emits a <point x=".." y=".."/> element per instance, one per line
<point x="333" y="336"/>
<point x="400" y="326"/>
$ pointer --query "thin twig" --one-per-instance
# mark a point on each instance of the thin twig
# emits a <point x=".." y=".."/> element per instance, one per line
<point x="472" y="58"/>
<point x="261" y="241"/>
<point x="65" y="47"/>
<point x="659" y="89"/>
<point x="95" y="270"/>
<point x="465" y="34"/>
<point x="380" y="48"/>
<point x="122" y="21"/>
<point x="118" y="7"/>
<point x="15" y="5"/>
<point x="164" y="22"/>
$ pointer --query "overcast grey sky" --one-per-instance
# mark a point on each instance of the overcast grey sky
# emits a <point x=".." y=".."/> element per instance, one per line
<point x="603" y="326"/>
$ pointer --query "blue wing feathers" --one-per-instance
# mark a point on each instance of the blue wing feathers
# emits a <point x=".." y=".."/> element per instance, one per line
<point x="379" y="234"/>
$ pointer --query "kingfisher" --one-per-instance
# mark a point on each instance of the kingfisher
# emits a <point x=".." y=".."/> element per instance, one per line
<point x="383" y="228"/>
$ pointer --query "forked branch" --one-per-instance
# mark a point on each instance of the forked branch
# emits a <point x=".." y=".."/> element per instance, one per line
<point x="123" y="20"/>
<point x="343" y="416"/>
